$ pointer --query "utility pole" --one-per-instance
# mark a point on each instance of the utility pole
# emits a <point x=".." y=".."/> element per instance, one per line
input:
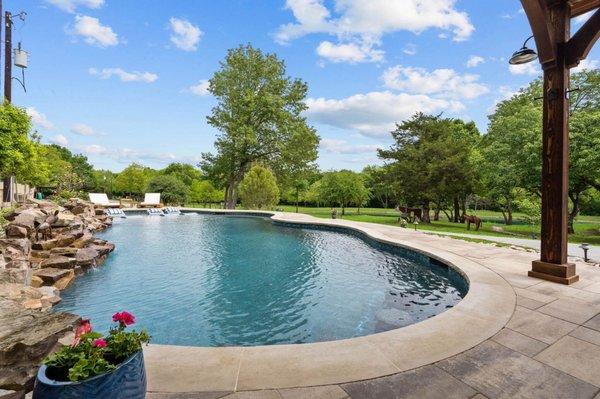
<point x="7" y="182"/>
<point x="8" y="56"/>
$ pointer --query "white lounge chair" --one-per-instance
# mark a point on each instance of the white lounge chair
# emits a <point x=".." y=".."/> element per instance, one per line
<point x="151" y="200"/>
<point x="169" y="210"/>
<point x="101" y="199"/>
<point x="155" y="212"/>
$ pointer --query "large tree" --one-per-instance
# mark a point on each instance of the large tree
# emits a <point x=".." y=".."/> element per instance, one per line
<point x="511" y="150"/>
<point x="432" y="161"/>
<point x="18" y="152"/>
<point x="343" y="188"/>
<point x="134" y="179"/>
<point x="259" y="118"/>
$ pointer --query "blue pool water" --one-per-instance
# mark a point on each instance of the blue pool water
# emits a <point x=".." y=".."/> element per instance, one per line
<point x="212" y="280"/>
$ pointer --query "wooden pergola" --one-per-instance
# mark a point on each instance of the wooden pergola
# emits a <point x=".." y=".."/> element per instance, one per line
<point x="558" y="51"/>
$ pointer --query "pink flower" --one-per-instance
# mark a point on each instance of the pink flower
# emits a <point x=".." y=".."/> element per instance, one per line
<point x="99" y="343"/>
<point x="84" y="327"/>
<point x="124" y="318"/>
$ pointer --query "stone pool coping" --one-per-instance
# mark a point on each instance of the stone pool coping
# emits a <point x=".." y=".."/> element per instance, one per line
<point x="484" y="311"/>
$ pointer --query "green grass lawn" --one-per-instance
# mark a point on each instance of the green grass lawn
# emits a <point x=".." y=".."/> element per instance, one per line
<point x="587" y="228"/>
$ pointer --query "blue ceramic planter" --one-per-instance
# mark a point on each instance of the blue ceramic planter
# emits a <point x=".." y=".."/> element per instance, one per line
<point x="127" y="381"/>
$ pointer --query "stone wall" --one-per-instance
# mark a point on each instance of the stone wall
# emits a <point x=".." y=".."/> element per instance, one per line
<point x="44" y="248"/>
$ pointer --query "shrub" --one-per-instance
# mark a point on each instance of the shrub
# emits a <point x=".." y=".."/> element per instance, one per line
<point x="171" y="189"/>
<point x="259" y="188"/>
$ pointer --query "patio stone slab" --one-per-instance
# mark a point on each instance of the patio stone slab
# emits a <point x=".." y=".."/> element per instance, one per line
<point x="267" y="394"/>
<point x="427" y="382"/>
<point x="570" y="309"/>
<point x="578" y="358"/>
<point x="191" y="369"/>
<point x="539" y="326"/>
<point x="324" y="392"/>
<point x="290" y="366"/>
<point x="536" y="296"/>
<point x="593" y="323"/>
<point x="187" y="395"/>
<point x="519" y="342"/>
<point x="528" y="302"/>
<point x="500" y="372"/>
<point x="586" y="334"/>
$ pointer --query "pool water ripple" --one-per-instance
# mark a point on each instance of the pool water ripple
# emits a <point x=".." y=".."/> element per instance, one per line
<point x="210" y="280"/>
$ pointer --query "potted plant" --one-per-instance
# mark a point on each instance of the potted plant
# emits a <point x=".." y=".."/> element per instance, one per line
<point x="94" y="366"/>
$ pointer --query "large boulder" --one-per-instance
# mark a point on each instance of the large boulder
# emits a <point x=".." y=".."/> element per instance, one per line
<point x="59" y="262"/>
<point x="50" y="275"/>
<point x="83" y="241"/>
<point x="63" y="219"/>
<point x="23" y="245"/>
<point x="16" y="231"/>
<point x="65" y="281"/>
<point x="26" y="338"/>
<point x="87" y="256"/>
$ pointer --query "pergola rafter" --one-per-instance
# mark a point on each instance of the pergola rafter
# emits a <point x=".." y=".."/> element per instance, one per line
<point x="550" y="22"/>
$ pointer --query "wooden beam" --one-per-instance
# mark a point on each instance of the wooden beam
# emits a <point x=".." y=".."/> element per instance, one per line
<point x="579" y="46"/>
<point x="553" y="265"/>
<point x="580" y="7"/>
<point x="536" y="11"/>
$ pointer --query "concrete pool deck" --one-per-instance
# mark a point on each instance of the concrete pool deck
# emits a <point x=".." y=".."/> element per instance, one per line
<point x="511" y="336"/>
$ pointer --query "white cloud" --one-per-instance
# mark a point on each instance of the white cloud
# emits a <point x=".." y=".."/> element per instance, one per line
<point x="71" y="5"/>
<point x="200" y="89"/>
<point x="124" y="76"/>
<point x="39" y="119"/>
<point x="445" y="83"/>
<point x="185" y="36"/>
<point x="83" y="130"/>
<point x="365" y="22"/>
<point x="93" y="32"/>
<point x="93" y="149"/>
<point x="530" y="69"/>
<point x="410" y="49"/>
<point x="60" y="140"/>
<point x="374" y="114"/>
<point x="474" y="60"/>
<point x="349" y="52"/>
<point x="586" y="64"/>
<point x="128" y="155"/>
<point x="336" y="146"/>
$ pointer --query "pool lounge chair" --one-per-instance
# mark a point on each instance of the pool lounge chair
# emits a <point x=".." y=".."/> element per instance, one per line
<point x="155" y="212"/>
<point x="151" y="200"/>
<point x="101" y="199"/>
<point x="115" y="213"/>
<point x="169" y="210"/>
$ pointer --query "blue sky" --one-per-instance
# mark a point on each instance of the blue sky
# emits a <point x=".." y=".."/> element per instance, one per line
<point x="124" y="81"/>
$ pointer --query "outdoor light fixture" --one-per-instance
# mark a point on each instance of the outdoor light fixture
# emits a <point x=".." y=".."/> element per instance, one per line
<point x="523" y="55"/>
<point x="585" y="247"/>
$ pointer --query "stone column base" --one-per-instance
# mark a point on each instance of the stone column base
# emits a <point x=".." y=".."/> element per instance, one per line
<point x="557" y="273"/>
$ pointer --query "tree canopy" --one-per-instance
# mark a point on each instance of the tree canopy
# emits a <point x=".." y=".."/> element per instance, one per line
<point x="259" y="118"/>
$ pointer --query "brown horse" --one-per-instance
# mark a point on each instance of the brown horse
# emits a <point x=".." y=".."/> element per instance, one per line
<point x="472" y="219"/>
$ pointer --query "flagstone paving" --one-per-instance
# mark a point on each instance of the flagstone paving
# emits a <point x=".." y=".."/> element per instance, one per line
<point x="550" y="347"/>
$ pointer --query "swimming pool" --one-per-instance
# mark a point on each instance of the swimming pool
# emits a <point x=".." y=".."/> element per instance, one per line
<point x="216" y="280"/>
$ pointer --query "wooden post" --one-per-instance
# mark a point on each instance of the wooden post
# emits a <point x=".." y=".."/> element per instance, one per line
<point x="553" y="264"/>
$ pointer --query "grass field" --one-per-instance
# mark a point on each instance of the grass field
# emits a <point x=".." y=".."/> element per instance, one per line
<point x="587" y="228"/>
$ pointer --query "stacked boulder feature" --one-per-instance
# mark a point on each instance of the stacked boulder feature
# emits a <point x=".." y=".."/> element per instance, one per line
<point x="44" y="248"/>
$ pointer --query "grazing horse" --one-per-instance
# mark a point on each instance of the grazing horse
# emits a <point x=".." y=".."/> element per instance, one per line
<point x="472" y="219"/>
<point x="45" y="227"/>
